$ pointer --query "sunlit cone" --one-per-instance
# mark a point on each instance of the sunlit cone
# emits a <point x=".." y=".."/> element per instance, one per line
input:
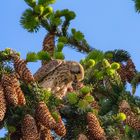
<point x="45" y="133"/>
<point x="2" y="104"/>
<point x="94" y="127"/>
<point x="82" y="137"/>
<point x="43" y="116"/>
<point x="9" y="90"/>
<point x="60" y="127"/>
<point x="49" y="45"/>
<point x="29" y="128"/>
<point x="22" y="70"/>
<point x="131" y="119"/>
<point x="20" y="94"/>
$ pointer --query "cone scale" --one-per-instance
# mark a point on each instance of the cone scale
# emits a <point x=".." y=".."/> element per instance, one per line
<point x="94" y="127"/>
<point x="43" y="116"/>
<point x="22" y="70"/>
<point x="29" y="128"/>
<point x="2" y="104"/>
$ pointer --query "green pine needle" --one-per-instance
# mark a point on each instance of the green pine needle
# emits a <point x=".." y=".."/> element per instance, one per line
<point x="118" y="55"/>
<point x="42" y="55"/>
<point x="31" y="57"/>
<point x="46" y="2"/>
<point x="30" y="21"/>
<point x="31" y="3"/>
<point x="97" y="55"/>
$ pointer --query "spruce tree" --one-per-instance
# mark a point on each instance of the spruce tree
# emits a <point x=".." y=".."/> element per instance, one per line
<point x="98" y="108"/>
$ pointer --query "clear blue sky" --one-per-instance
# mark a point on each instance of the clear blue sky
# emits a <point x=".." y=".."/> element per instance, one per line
<point x="107" y="25"/>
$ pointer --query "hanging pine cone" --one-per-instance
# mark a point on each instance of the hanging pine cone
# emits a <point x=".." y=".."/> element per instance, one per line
<point x="20" y="94"/>
<point x="2" y="104"/>
<point x="82" y="137"/>
<point x="29" y="128"/>
<point x="43" y="116"/>
<point x="60" y="127"/>
<point x="94" y="127"/>
<point x="123" y="73"/>
<point x="45" y="133"/>
<point x="131" y="119"/>
<point x="9" y="90"/>
<point x="49" y="45"/>
<point x="22" y="70"/>
<point x="131" y="70"/>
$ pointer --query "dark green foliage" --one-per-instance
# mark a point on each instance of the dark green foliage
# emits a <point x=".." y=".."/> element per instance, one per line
<point x="137" y="5"/>
<point x="118" y="55"/>
<point x="31" y="3"/>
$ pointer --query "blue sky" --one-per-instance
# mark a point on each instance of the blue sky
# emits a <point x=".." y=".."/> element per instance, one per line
<point x="107" y="25"/>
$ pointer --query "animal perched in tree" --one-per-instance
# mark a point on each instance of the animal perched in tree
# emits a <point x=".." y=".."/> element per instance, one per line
<point x="58" y="76"/>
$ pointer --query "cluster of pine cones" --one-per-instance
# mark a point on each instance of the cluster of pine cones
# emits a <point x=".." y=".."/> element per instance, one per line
<point x="11" y="94"/>
<point x="40" y="126"/>
<point x="10" y="91"/>
<point x="131" y="118"/>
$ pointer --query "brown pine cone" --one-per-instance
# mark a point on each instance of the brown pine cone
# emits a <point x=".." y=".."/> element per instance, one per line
<point x="22" y="70"/>
<point x="49" y="45"/>
<point x="60" y="127"/>
<point x="20" y="94"/>
<point x="82" y="137"/>
<point x="131" y="70"/>
<point x="45" y="133"/>
<point x="94" y="127"/>
<point x="131" y="119"/>
<point x="2" y="104"/>
<point x="9" y="90"/>
<point x="44" y="116"/>
<point x="29" y="128"/>
<point x="123" y="73"/>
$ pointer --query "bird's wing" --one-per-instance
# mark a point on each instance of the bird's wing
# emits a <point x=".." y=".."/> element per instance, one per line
<point x="46" y="69"/>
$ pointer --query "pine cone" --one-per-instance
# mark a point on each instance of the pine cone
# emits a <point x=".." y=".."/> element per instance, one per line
<point x="131" y="119"/>
<point x="94" y="127"/>
<point x="45" y="133"/>
<point x="60" y="127"/>
<point x="29" y="128"/>
<point x="43" y="116"/>
<point x="20" y="94"/>
<point x="131" y="70"/>
<point x="49" y="45"/>
<point x="82" y="137"/>
<point x="22" y="70"/>
<point x="123" y="73"/>
<point x="9" y="90"/>
<point x="2" y="104"/>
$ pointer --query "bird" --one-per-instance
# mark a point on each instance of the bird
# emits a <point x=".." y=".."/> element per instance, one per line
<point x="58" y="75"/>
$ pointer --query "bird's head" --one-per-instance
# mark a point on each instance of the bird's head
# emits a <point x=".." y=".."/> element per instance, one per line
<point x="77" y="70"/>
